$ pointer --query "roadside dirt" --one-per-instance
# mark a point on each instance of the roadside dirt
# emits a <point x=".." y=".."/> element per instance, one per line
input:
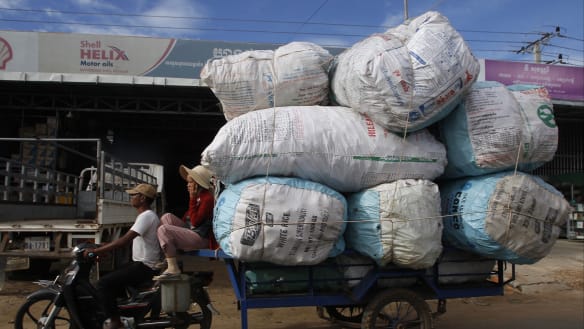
<point x="545" y="295"/>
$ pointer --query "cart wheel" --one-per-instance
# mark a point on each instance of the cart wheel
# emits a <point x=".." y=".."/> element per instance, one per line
<point x="397" y="309"/>
<point x="350" y="313"/>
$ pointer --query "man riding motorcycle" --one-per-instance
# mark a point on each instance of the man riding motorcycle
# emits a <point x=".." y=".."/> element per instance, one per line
<point x="146" y="254"/>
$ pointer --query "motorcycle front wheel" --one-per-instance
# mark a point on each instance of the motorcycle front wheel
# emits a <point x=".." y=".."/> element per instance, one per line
<point x="35" y="310"/>
<point x="199" y="315"/>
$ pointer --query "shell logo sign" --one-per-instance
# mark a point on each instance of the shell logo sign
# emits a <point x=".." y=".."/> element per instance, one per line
<point x="97" y="58"/>
<point x="5" y="53"/>
<point x="94" y="51"/>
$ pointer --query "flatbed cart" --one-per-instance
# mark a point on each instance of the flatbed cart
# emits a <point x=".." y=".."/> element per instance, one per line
<point x="383" y="297"/>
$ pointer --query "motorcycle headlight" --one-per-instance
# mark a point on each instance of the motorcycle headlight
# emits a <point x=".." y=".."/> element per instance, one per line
<point x="75" y="251"/>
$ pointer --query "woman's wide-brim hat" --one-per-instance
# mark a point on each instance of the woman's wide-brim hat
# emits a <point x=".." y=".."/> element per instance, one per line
<point x="199" y="174"/>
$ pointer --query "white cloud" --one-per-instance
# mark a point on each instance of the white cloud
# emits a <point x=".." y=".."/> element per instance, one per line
<point x="330" y="41"/>
<point x="52" y="13"/>
<point x="147" y="18"/>
<point x="10" y="3"/>
<point x="93" y="5"/>
<point x="392" y="20"/>
<point x="175" y="13"/>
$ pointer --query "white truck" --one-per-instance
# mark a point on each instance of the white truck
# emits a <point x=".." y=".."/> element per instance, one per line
<point x="44" y="212"/>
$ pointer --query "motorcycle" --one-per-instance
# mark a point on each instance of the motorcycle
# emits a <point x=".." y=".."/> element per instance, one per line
<point x="69" y="301"/>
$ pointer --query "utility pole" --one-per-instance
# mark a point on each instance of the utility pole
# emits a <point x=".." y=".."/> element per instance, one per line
<point x="535" y="46"/>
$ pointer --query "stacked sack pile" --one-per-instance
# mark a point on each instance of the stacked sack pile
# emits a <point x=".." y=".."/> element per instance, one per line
<point x="321" y="154"/>
<point x="493" y="207"/>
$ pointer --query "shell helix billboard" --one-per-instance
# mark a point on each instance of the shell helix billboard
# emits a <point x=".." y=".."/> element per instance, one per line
<point x="177" y="58"/>
<point x="117" y="55"/>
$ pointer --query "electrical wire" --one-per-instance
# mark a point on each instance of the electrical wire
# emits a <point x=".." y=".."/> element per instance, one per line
<point x="561" y="47"/>
<point x="494" y="41"/>
<point x="265" y="31"/>
<point x="499" y="32"/>
<point x="306" y="22"/>
<point x="360" y="35"/>
<point x="180" y="28"/>
<point x="194" y="18"/>
<point x="571" y="38"/>
<point x="312" y="15"/>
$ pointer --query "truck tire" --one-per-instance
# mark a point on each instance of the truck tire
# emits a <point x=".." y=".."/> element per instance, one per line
<point x="38" y="266"/>
<point x="397" y="308"/>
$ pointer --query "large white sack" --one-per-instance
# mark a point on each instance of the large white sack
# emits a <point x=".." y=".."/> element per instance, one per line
<point x="539" y="125"/>
<point x="408" y="77"/>
<point x="287" y="221"/>
<point x="293" y="74"/>
<point x="397" y="223"/>
<point x="496" y="128"/>
<point x="507" y="216"/>
<point x="334" y="146"/>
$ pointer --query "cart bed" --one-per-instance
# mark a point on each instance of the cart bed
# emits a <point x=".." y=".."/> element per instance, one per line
<point x="313" y="288"/>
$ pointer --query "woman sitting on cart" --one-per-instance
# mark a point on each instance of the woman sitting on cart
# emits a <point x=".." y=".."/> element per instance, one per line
<point x="195" y="229"/>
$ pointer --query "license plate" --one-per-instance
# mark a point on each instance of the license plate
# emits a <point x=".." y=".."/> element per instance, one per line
<point x="37" y="243"/>
<point x="16" y="263"/>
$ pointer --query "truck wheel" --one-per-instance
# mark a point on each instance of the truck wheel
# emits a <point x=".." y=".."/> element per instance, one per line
<point x="37" y="266"/>
<point x="397" y="309"/>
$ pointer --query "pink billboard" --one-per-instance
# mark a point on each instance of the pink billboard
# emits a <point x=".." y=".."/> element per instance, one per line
<point x="562" y="82"/>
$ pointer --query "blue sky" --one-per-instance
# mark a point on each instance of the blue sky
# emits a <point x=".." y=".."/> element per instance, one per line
<point x="494" y="29"/>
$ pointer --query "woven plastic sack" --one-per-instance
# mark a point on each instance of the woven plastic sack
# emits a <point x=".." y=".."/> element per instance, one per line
<point x="397" y="223"/>
<point x="496" y="128"/>
<point x="287" y="221"/>
<point x="506" y="216"/>
<point x="293" y="74"/>
<point x="407" y="78"/>
<point x="334" y="146"/>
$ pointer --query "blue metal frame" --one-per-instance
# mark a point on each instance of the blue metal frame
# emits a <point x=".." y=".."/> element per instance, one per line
<point x="360" y="293"/>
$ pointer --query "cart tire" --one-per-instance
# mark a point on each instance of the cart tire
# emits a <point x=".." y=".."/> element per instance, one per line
<point x="397" y="309"/>
<point x="349" y="313"/>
